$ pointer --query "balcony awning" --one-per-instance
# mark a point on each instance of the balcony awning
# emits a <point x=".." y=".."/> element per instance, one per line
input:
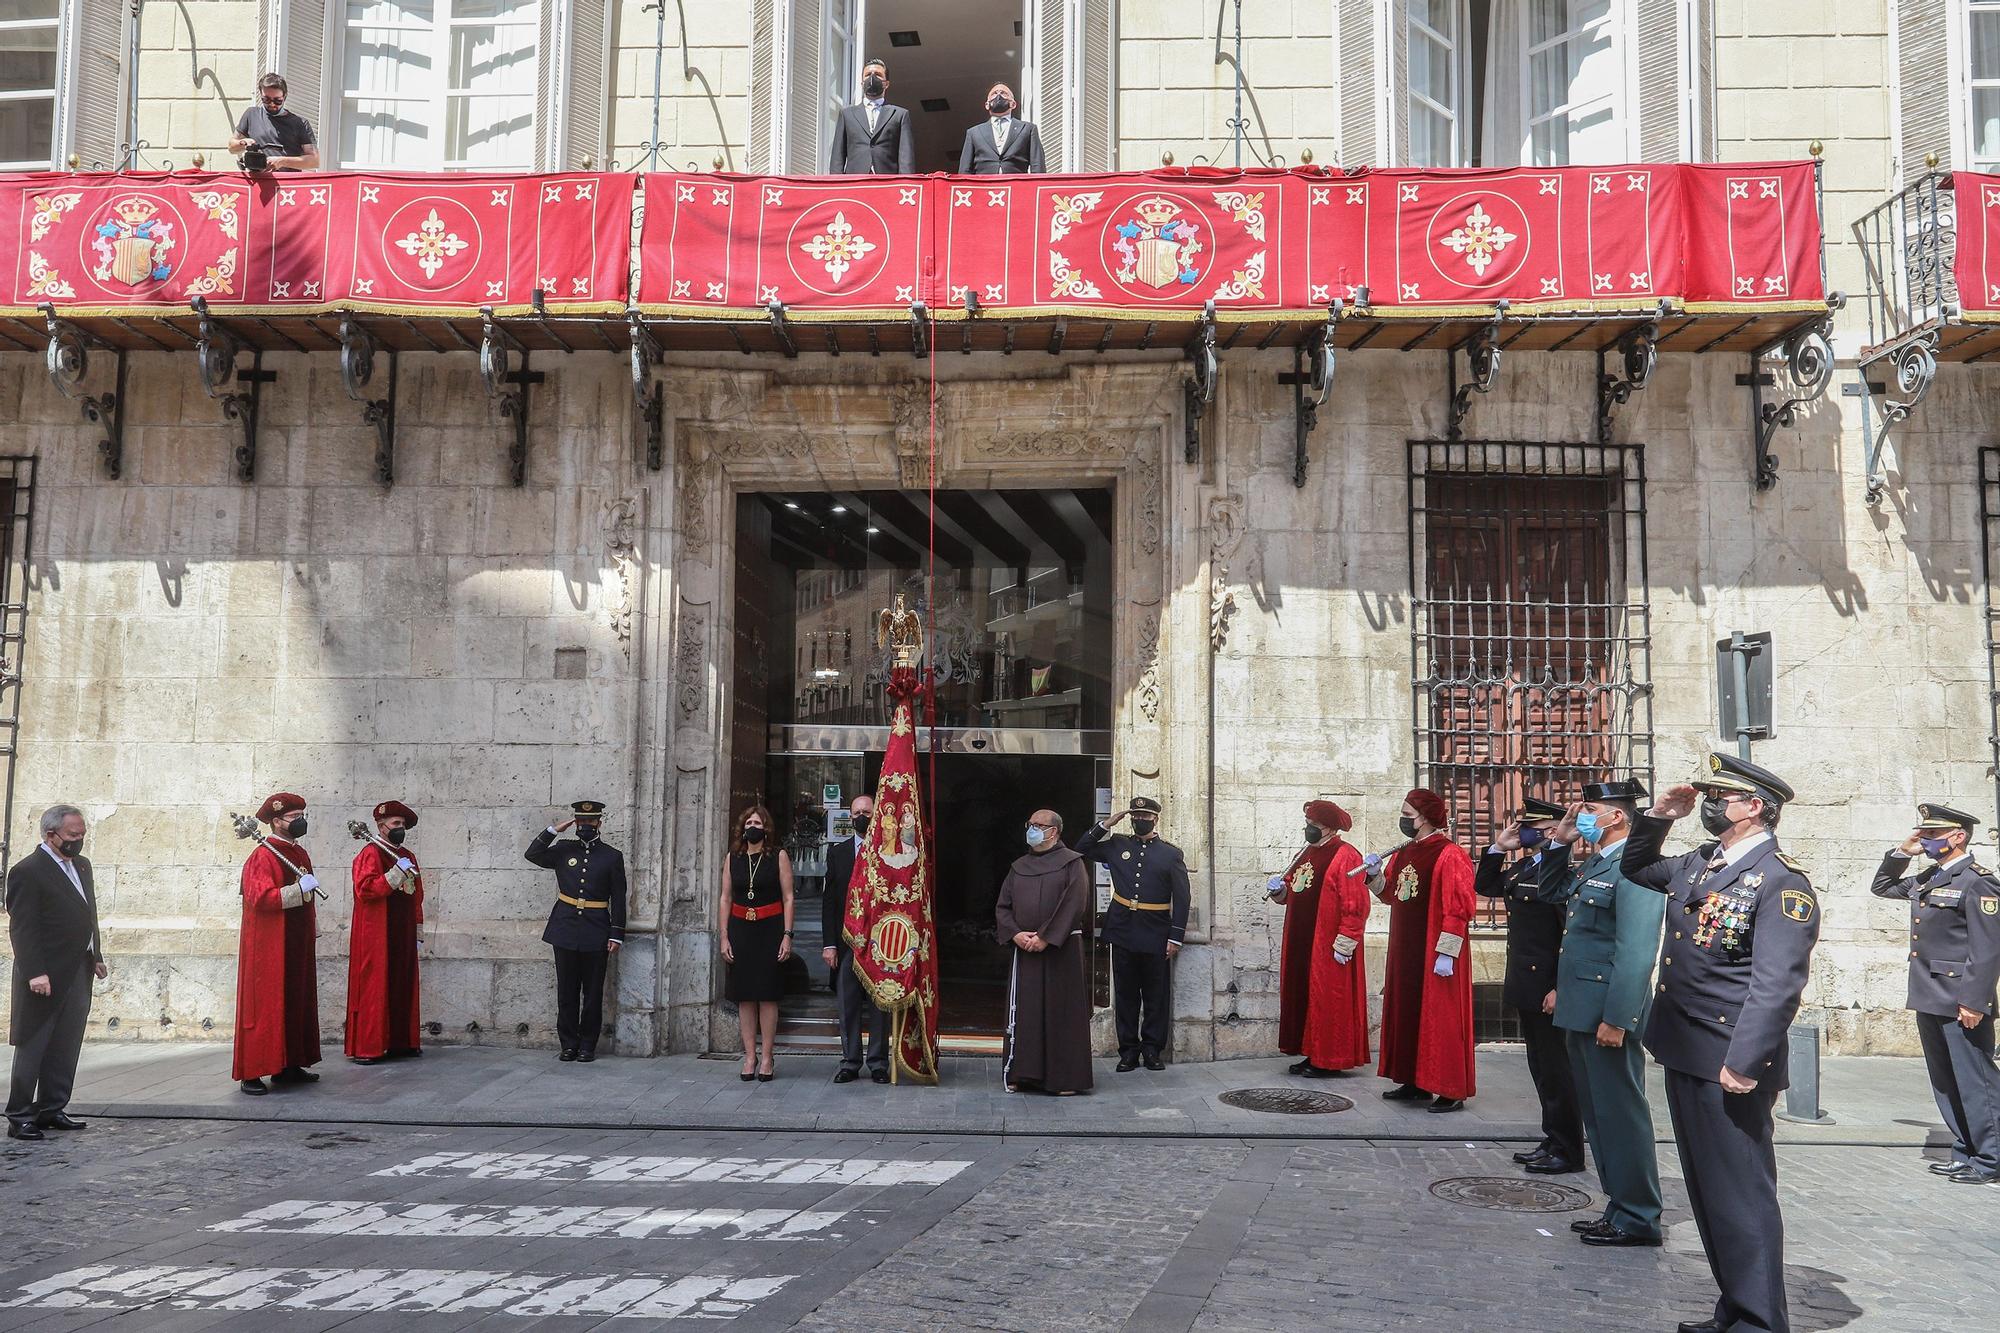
<point x="1721" y="257"/>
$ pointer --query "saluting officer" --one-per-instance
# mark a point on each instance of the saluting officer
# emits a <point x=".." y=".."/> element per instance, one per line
<point x="587" y="924"/>
<point x="1742" y="920"/>
<point x="1534" y="933"/>
<point x="1954" y="968"/>
<point x="1145" y="926"/>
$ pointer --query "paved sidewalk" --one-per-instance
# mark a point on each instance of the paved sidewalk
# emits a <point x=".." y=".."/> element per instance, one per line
<point x="1880" y="1101"/>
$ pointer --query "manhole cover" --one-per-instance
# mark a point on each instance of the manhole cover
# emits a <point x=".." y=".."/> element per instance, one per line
<point x="1286" y="1101"/>
<point x="1510" y="1193"/>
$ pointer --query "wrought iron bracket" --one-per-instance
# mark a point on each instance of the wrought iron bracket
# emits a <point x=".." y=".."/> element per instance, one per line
<point x="648" y="394"/>
<point x="920" y="333"/>
<point x="1807" y="356"/>
<point x="357" y="370"/>
<point x="507" y="385"/>
<point x="1914" y="366"/>
<point x="68" y="358"/>
<point x="1198" y="390"/>
<point x="776" y="310"/>
<point x="1639" y="355"/>
<point x="216" y="350"/>
<point x="1482" y="368"/>
<point x="1312" y="369"/>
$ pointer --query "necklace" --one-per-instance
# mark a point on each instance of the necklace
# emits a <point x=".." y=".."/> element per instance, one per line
<point x="755" y="861"/>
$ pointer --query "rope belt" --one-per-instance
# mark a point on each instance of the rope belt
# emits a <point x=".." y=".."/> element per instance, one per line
<point x="744" y="913"/>
<point x="1140" y="907"/>
<point x="582" y="902"/>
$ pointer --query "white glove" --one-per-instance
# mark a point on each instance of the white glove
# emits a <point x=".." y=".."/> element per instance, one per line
<point x="405" y="864"/>
<point x="1371" y="865"/>
<point x="1342" y="958"/>
<point x="1443" y="965"/>
<point x="308" y="883"/>
<point x="1275" y="886"/>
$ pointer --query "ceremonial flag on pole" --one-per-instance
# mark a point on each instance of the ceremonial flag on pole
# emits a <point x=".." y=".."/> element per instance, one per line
<point x="890" y="924"/>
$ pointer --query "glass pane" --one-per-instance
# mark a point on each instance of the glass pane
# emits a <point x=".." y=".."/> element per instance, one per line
<point x="503" y="11"/>
<point x="1595" y="136"/>
<point x="390" y="13"/>
<point x="1986" y="123"/>
<point x="1592" y="70"/>
<point x="28" y="134"/>
<point x="1547" y="19"/>
<point x="492" y="59"/>
<point x="490" y="131"/>
<point x="1983" y="54"/>
<point x="1430" y="70"/>
<point x="387" y="63"/>
<point x="1548" y="81"/>
<point x="1590" y="11"/>
<point x="384" y="134"/>
<point x="16" y="11"/>
<point x="1440" y="15"/>
<point x="23" y="70"/>
<point x="1550" y="140"/>
<point x="1430" y="138"/>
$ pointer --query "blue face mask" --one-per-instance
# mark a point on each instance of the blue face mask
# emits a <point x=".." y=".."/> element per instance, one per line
<point x="1035" y="836"/>
<point x="1935" y="846"/>
<point x="1531" y="838"/>
<point x="1587" y="827"/>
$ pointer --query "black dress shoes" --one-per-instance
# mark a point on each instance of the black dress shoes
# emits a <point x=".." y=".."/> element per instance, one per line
<point x="61" y="1121"/>
<point x="879" y="1075"/>
<point x="1445" y="1104"/>
<point x="1949" y="1168"/>
<point x="1408" y="1092"/>
<point x="567" y="1055"/>
<point x="1588" y="1225"/>
<point x="1127" y="1063"/>
<point x="1553" y="1166"/>
<point x="846" y="1075"/>
<point x="1972" y="1177"/>
<point x="1612" y="1236"/>
<point x="364" y="1059"/>
<point x="294" y="1074"/>
<point x="1532" y="1155"/>
<point x="28" y="1132"/>
<point x="253" y="1087"/>
<point x="586" y="1057"/>
<point x="1156" y="1064"/>
<point x="1704" y="1326"/>
<point x="1299" y="1067"/>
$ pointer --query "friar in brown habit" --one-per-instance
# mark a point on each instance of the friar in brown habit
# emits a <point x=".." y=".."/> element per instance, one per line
<point x="1043" y="910"/>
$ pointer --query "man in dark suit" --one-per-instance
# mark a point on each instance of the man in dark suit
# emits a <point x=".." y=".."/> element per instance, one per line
<point x="873" y="138"/>
<point x="586" y="925"/>
<point x="856" y="1009"/>
<point x="52" y="919"/>
<point x="1003" y="145"/>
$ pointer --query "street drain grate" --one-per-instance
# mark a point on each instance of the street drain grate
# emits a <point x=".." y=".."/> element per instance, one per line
<point x="1286" y="1101"/>
<point x="1512" y="1194"/>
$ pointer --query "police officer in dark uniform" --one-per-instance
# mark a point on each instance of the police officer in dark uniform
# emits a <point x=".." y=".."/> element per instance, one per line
<point x="1534" y="934"/>
<point x="1954" y="969"/>
<point x="1145" y="925"/>
<point x="587" y="924"/>
<point x="1742" y="920"/>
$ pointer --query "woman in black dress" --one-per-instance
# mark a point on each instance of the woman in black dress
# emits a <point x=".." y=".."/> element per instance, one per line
<point x="756" y="913"/>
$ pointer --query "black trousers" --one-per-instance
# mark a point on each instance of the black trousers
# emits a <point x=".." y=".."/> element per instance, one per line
<point x="1967" y="1087"/>
<point x="858" y="1013"/>
<point x="1139" y="1000"/>
<point x="45" y="1063"/>
<point x="1731" y="1172"/>
<point x="1555" y="1084"/>
<point x="580" y="997"/>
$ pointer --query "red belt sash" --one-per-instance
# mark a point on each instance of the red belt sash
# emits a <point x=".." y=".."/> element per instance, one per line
<point x="743" y="912"/>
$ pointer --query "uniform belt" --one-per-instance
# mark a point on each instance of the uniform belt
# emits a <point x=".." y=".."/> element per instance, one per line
<point x="1123" y="901"/>
<point x="743" y="913"/>
<point x="582" y="902"/>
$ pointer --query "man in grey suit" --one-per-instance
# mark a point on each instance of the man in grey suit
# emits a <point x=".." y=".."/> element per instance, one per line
<point x="1003" y="145"/>
<point x="858" y="1014"/>
<point x="52" y="918"/>
<point x="873" y="138"/>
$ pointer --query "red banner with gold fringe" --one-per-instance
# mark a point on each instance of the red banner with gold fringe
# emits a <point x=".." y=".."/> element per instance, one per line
<point x="890" y="924"/>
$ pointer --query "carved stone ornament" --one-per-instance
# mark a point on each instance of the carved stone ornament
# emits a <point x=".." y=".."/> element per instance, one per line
<point x="620" y="520"/>
<point x="1047" y="444"/>
<point x="690" y="689"/>
<point x="691" y="482"/>
<point x="1225" y="534"/>
<point x="1146" y="462"/>
<point x="1149" y="666"/>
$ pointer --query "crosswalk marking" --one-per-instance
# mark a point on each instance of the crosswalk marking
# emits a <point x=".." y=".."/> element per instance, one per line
<point x="728" y="1170"/>
<point x="354" y="1217"/>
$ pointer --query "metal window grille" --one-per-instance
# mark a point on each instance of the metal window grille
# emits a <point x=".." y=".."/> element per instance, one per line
<point x="1531" y="639"/>
<point x="1989" y="554"/>
<point x="17" y="510"/>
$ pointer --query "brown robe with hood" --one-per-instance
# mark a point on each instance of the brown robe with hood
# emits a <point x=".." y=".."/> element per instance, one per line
<point x="1048" y="993"/>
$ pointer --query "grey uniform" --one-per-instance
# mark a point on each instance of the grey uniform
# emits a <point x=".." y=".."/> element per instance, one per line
<point x="1733" y="964"/>
<point x="1954" y="961"/>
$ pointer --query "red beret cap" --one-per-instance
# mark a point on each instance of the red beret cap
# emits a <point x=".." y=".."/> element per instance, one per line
<point x="278" y="804"/>
<point x="1328" y="815"/>
<point x="390" y="809"/>
<point x="1428" y="804"/>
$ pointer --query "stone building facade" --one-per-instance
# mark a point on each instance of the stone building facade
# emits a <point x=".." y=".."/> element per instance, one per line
<point x="489" y="653"/>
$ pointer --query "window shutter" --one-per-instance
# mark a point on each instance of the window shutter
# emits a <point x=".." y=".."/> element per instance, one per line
<point x="551" y="70"/>
<point x="805" y="91"/>
<point x="1923" y="121"/>
<point x="1097" y="79"/>
<point x="1704" y="81"/>
<point x="96" y="99"/>
<point x="312" y="89"/>
<point x="1399" y="84"/>
<point x="1657" y="32"/>
<point x="1051" y="83"/>
<point x="589" y="79"/>
<point x="1357" y="83"/>
<point x="763" y="73"/>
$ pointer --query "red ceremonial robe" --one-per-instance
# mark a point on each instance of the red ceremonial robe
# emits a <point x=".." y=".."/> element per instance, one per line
<point x="1337" y="1011"/>
<point x="277" y="976"/>
<point x="1426" y="1018"/>
<point x="382" y="959"/>
<point x="1302" y="886"/>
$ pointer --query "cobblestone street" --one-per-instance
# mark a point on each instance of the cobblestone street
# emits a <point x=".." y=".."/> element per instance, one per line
<point x="173" y="1224"/>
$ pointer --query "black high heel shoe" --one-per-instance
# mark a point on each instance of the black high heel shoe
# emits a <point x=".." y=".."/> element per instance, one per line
<point x="763" y="1077"/>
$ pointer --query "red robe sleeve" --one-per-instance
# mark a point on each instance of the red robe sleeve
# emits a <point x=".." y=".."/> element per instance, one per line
<point x="371" y="864"/>
<point x="264" y="880"/>
<point x="1355" y="900"/>
<point x="1452" y="882"/>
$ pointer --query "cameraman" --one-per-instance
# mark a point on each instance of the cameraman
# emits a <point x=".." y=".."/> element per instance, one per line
<point x="270" y="138"/>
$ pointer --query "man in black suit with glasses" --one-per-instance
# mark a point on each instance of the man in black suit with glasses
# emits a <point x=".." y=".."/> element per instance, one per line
<point x="52" y="921"/>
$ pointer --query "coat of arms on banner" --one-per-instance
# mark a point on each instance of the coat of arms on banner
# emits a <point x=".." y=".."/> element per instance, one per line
<point x="133" y="243"/>
<point x="1158" y="245"/>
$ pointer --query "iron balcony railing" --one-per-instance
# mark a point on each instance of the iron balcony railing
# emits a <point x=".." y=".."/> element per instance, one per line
<point x="1908" y="243"/>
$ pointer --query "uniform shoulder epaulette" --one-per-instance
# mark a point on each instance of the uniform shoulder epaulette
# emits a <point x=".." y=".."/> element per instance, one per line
<point x="1792" y="865"/>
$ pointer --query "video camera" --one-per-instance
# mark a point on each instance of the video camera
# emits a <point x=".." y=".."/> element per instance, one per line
<point x="255" y="158"/>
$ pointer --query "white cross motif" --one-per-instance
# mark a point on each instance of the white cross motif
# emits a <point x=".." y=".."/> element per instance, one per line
<point x="321" y="194"/>
<point x="715" y="291"/>
<point x="579" y="286"/>
<point x="1408" y="194"/>
<point x="1767" y="189"/>
<point x="993" y="292"/>
<point x="1993" y="295"/>
<point x="1600" y="185"/>
<point x="767" y="294"/>
<point x="1992" y="197"/>
<point x="996" y="198"/>
<point x="586" y="190"/>
<point x="312" y="289"/>
<point x="907" y="197"/>
<point x="906" y="294"/>
<point x="838" y="247"/>
<point x="958" y="295"/>
<point x="1479" y="239"/>
<point x="552" y="194"/>
<point x="430" y="244"/>
<point x="496" y="287"/>
<point x="545" y="285"/>
<point x="1357" y="194"/>
<point x="1600" y="282"/>
<point x="1548" y="184"/>
<point x="287" y="197"/>
<point x="1640" y="281"/>
<point x="717" y="196"/>
<point x="1739" y="189"/>
<point x="961" y="198"/>
<point x="1774" y="283"/>
<point x="364" y="286"/>
<point x="1319" y="195"/>
<point x="684" y="193"/>
<point x="683" y="287"/>
<point x="1745" y="286"/>
<point x="1410" y="291"/>
<point x="280" y="290"/>
<point x="1319" y="294"/>
<point x="1551" y="286"/>
<point x="500" y="199"/>
<point x="371" y="194"/>
<point x="772" y="196"/>
<point x="1635" y="183"/>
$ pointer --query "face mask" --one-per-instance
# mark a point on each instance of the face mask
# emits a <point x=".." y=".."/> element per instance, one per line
<point x="1035" y="836"/>
<point x="1932" y="847"/>
<point x="1715" y="815"/>
<point x="586" y="832"/>
<point x="753" y="836"/>
<point x="297" y="828"/>
<point x="860" y="823"/>
<point x="873" y="87"/>
<point x="396" y="835"/>
<point x="998" y="105"/>
<point x="1312" y="834"/>
<point x="70" y="846"/>
<point x="1408" y="824"/>
<point x="1587" y="827"/>
<point x="1532" y="837"/>
<point x="1142" y="827"/>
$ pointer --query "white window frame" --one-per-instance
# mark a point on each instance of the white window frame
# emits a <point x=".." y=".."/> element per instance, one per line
<point x="62" y="25"/>
<point x="840" y="64"/>
<point x="1618" y="21"/>
<point x="1455" y="47"/>
<point x="439" y="103"/>
<point x="1958" y="44"/>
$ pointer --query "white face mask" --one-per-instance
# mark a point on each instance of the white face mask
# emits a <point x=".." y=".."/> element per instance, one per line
<point x="1035" y="836"/>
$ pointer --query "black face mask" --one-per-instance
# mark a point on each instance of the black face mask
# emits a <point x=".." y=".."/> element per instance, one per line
<point x="860" y="823"/>
<point x="753" y="836"/>
<point x="1715" y="815"/>
<point x="71" y="847"/>
<point x="587" y="832"/>
<point x="873" y="87"/>
<point x="297" y="828"/>
<point x="396" y="835"/>
<point x="1313" y="834"/>
<point x="1142" y="827"/>
<point x="998" y="105"/>
<point x="1408" y="824"/>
